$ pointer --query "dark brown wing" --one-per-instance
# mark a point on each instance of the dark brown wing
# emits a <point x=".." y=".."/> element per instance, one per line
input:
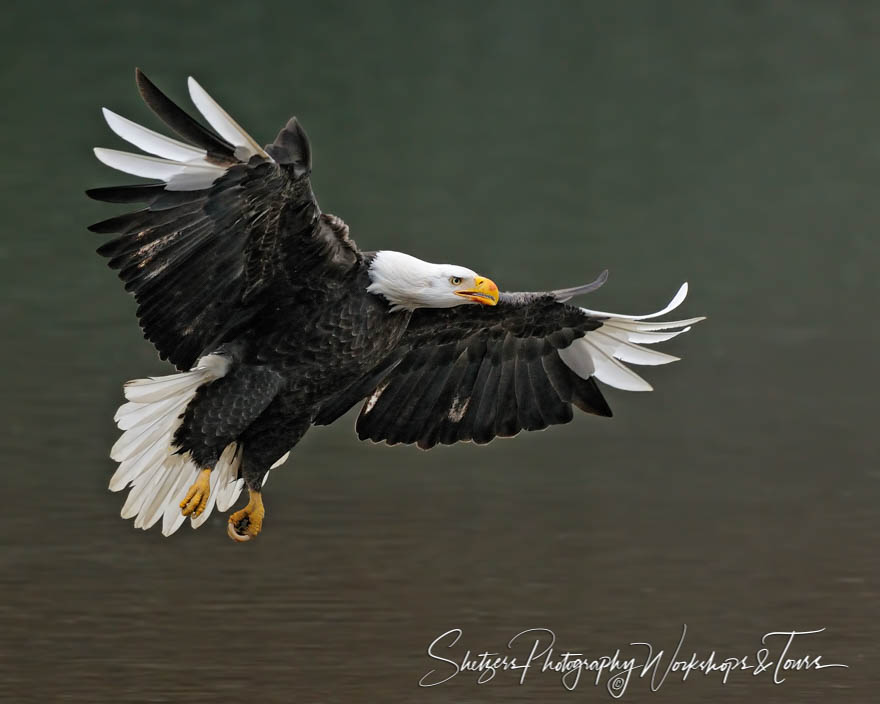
<point x="229" y="223"/>
<point x="479" y="372"/>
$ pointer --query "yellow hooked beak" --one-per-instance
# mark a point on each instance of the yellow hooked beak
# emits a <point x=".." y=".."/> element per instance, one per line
<point x="484" y="291"/>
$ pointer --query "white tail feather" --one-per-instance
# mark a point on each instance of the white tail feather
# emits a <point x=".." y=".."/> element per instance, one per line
<point x="142" y="414"/>
<point x="149" y="461"/>
<point x="196" y="521"/>
<point x="172" y="518"/>
<point x="281" y="460"/>
<point x="161" y="388"/>
<point x="227" y="463"/>
<point x="229" y="493"/>
<point x="154" y="435"/>
<point x="229" y="487"/>
<point x="130" y="445"/>
<point x="136" y="413"/>
<point x="132" y="468"/>
<point x="159" y="496"/>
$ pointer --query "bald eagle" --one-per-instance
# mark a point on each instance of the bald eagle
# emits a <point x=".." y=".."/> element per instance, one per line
<point x="276" y="322"/>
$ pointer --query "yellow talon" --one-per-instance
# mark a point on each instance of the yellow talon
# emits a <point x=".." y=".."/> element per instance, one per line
<point x="197" y="497"/>
<point x="247" y="523"/>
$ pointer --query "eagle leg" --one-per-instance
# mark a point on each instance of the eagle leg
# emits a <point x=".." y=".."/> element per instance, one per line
<point x="247" y="523"/>
<point x="197" y="497"/>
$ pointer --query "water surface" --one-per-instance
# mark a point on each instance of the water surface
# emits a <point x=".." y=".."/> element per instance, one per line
<point x="733" y="145"/>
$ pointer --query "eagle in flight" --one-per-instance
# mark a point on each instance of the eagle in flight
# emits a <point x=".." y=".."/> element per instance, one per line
<point x="276" y="322"/>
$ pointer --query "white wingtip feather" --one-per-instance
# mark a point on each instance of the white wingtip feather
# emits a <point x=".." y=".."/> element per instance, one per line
<point x="281" y="460"/>
<point x="176" y="175"/>
<point x="641" y="326"/>
<point x="153" y="142"/>
<point x="220" y="120"/>
<point x="603" y="351"/>
<point x="676" y="301"/>
<point x="610" y="371"/>
<point x="618" y="346"/>
<point x="639" y="334"/>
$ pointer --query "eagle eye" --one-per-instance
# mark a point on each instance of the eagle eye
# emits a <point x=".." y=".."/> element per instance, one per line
<point x="455" y="280"/>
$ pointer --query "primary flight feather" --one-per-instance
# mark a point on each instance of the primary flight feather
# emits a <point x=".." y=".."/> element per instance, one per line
<point x="277" y="322"/>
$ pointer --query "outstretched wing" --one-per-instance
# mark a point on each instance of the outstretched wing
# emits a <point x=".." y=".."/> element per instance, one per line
<point x="227" y="223"/>
<point x="480" y="372"/>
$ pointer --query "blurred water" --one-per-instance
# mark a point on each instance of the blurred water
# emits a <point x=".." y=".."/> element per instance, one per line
<point x="734" y="145"/>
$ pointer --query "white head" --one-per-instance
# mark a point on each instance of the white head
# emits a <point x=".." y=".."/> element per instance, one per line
<point x="409" y="283"/>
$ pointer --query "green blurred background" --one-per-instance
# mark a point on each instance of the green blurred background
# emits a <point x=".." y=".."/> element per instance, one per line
<point x="731" y="144"/>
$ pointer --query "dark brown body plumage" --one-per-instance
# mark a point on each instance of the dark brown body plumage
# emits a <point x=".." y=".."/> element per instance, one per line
<point x="280" y="377"/>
